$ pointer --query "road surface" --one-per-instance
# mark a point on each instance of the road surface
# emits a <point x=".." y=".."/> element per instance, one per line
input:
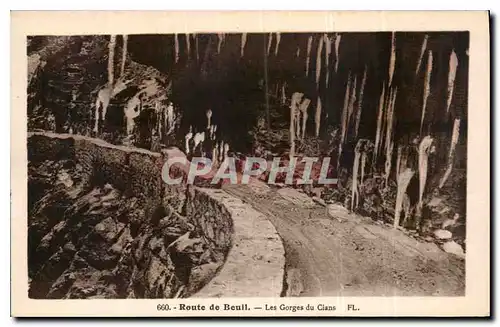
<point x="331" y="252"/>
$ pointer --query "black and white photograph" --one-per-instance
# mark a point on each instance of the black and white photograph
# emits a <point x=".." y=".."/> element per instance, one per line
<point x="221" y="165"/>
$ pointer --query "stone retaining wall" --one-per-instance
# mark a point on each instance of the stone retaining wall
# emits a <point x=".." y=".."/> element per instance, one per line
<point x="255" y="260"/>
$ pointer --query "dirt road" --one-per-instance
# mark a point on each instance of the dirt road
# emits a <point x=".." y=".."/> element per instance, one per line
<point x="342" y="254"/>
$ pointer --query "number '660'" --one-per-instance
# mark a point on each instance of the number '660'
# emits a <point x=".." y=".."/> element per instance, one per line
<point x="162" y="307"/>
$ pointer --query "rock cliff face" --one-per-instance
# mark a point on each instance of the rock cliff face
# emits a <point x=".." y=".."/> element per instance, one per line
<point x="392" y="90"/>
<point x="95" y="234"/>
<point x="67" y="77"/>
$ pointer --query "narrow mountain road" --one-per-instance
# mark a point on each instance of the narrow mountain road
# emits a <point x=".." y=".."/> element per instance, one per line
<point x="343" y="254"/>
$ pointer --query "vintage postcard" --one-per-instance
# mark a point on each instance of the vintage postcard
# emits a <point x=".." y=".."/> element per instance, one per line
<point x="250" y="164"/>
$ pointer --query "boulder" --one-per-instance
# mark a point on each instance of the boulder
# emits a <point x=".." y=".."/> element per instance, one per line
<point x="454" y="248"/>
<point x="337" y="211"/>
<point x="442" y="234"/>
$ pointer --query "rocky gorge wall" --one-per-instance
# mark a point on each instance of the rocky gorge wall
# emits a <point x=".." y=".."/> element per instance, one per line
<point x="382" y="102"/>
<point x="119" y="231"/>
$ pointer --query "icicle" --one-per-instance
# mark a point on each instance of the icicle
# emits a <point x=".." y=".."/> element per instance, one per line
<point x="344" y="116"/>
<point x="283" y="94"/>
<point x="167" y="117"/>
<point x="404" y="159"/>
<point x="328" y="50"/>
<point x="297" y="53"/>
<point x="215" y="156"/>
<point x="176" y="40"/>
<point x="159" y="112"/>
<point x="196" y="46"/>
<point x="363" y="164"/>
<point x="355" y="169"/>
<point x="350" y="108"/>
<point x="398" y="159"/>
<point x="199" y="138"/>
<point x="406" y="208"/>
<point x="317" y="117"/>
<point x="118" y="87"/>
<point x="309" y="46"/>
<point x="188" y="45"/>
<point x="188" y="137"/>
<point x="303" y="109"/>
<point x="214" y="153"/>
<point x="451" y="78"/>
<point x="124" y="54"/>
<point x="387" y="114"/>
<point x="209" y="117"/>
<point x="401" y="160"/>
<point x="390" y="117"/>
<point x="427" y="88"/>
<point x="360" y="155"/>
<point x="296" y="99"/>
<point x="111" y="61"/>
<point x="221" y="37"/>
<point x="278" y="39"/>
<point x="297" y="121"/>
<point x="96" y="116"/>
<point x="453" y="145"/>
<point x="337" y="47"/>
<point x="422" y="52"/>
<point x="212" y="132"/>
<point x="360" y="102"/>
<point x="386" y="106"/>
<point x="293" y="113"/>
<point x="392" y="62"/>
<point x="389" y="142"/>
<point x="403" y="181"/>
<point x="347" y="97"/>
<point x="379" y="123"/>
<point x="102" y="101"/>
<point x="226" y="150"/>
<point x="423" y="158"/>
<point x="131" y="111"/>
<point x="170" y="116"/>
<point x="393" y="105"/>
<point x="318" y="62"/>
<point x="269" y="43"/>
<point x="388" y="162"/>
<point x="243" y="43"/>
